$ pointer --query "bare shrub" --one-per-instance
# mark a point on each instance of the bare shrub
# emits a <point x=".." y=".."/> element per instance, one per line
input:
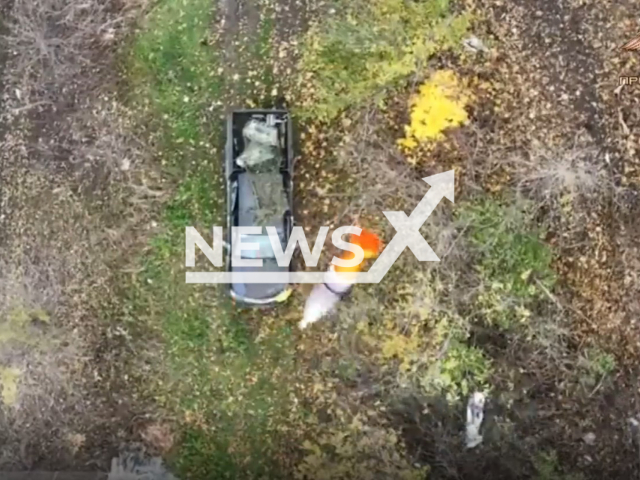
<point x="382" y="178"/>
<point x="60" y="78"/>
<point x="549" y="174"/>
<point x="43" y="357"/>
<point x="53" y="41"/>
<point x="135" y="463"/>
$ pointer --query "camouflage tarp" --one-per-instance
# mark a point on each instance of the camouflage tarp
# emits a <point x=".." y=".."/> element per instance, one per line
<point x="262" y="157"/>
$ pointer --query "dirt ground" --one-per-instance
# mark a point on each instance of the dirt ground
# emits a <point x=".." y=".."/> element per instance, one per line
<point x="62" y="201"/>
<point x="77" y="189"/>
<point x="558" y="67"/>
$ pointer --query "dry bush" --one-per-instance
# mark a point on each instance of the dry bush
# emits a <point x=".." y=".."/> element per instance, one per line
<point x="101" y="135"/>
<point x="547" y="174"/>
<point x="62" y="107"/>
<point x="55" y="45"/>
<point x="31" y="287"/>
<point x="60" y="79"/>
<point x="382" y="180"/>
<point x="586" y="203"/>
<point x="134" y="462"/>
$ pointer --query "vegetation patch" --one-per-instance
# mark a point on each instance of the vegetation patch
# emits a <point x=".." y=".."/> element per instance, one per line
<point x="242" y="386"/>
<point x="513" y="262"/>
<point x="439" y="104"/>
<point x="358" y="448"/>
<point x="365" y="47"/>
<point x="95" y="195"/>
<point x="9" y="377"/>
<point x="548" y="467"/>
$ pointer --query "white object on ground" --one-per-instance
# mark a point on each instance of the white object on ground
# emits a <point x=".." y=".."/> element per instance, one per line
<point x="323" y="300"/>
<point x="589" y="438"/>
<point x="475" y="415"/>
<point x="634" y="426"/>
<point x="474" y="44"/>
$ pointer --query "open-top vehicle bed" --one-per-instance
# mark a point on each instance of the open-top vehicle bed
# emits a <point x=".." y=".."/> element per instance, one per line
<point x="259" y="171"/>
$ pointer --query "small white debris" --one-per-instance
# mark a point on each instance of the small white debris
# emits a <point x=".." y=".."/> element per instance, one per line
<point x="125" y="164"/>
<point x="475" y="415"/>
<point x="634" y="426"/>
<point x="474" y="44"/>
<point x="589" y="438"/>
<point x="109" y="36"/>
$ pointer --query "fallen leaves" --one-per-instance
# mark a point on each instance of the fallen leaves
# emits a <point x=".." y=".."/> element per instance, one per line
<point x="159" y="436"/>
<point x="439" y="105"/>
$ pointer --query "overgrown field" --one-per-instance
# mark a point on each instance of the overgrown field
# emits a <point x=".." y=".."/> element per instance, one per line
<point x="114" y="135"/>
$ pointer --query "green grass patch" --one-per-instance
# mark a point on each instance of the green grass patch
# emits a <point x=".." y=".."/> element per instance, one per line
<point x="229" y="389"/>
<point x="369" y="46"/>
<point x="547" y="466"/>
<point x="595" y="365"/>
<point x="513" y="263"/>
<point x="462" y="370"/>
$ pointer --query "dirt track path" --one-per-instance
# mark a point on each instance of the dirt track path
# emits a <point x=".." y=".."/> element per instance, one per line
<point x="68" y="406"/>
<point x="3" y="59"/>
<point x="237" y="30"/>
<point x="256" y="39"/>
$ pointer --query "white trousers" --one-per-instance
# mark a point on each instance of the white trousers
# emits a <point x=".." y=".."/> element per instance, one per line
<point x="325" y="296"/>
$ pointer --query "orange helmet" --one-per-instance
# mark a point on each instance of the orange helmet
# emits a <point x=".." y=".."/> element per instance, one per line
<point x="369" y="242"/>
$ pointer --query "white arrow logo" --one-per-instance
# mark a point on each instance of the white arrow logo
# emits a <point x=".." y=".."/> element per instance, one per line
<point x="408" y="228"/>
